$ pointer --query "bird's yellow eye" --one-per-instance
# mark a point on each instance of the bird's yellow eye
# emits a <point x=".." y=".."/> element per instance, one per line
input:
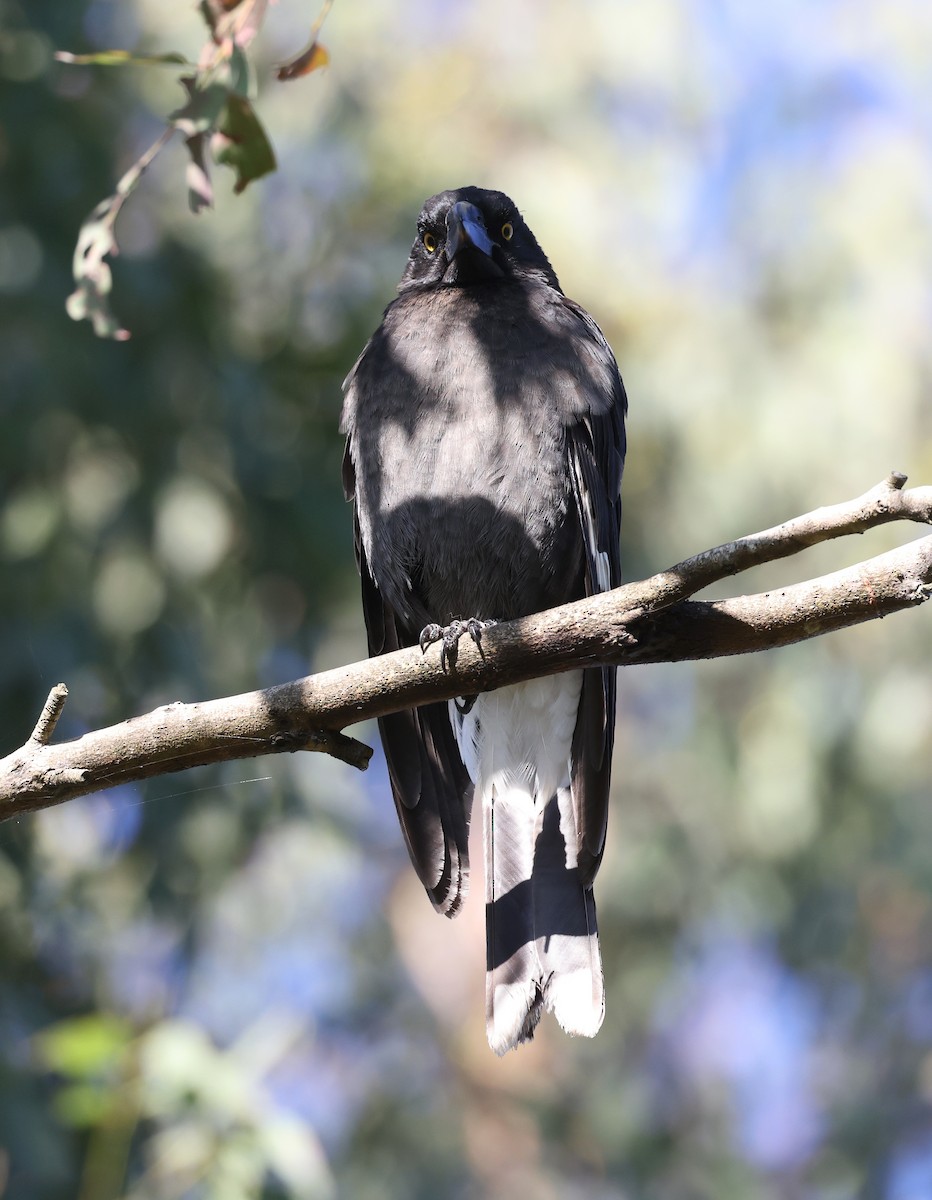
<point x="430" y="242"/>
<point x="507" y="231"/>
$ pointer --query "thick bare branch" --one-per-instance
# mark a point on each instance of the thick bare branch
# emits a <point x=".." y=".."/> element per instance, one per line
<point x="648" y="621"/>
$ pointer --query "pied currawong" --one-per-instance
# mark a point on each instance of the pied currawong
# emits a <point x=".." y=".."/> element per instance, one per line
<point x="485" y="446"/>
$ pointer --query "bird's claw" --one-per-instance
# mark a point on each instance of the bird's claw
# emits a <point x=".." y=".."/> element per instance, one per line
<point x="449" y="637"/>
<point x="429" y="635"/>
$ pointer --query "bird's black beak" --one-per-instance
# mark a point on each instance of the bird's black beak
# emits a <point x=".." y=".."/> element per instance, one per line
<point x="466" y="227"/>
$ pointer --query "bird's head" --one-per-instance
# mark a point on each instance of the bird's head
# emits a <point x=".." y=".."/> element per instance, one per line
<point x="470" y="235"/>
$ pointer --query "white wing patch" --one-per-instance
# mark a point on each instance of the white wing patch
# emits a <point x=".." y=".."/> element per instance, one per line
<point x="599" y="558"/>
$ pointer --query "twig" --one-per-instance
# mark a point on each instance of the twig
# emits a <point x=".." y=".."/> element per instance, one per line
<point x="48" y="718"/>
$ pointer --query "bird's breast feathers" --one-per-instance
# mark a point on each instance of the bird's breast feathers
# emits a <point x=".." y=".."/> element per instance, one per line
<point x="458" y="414"/>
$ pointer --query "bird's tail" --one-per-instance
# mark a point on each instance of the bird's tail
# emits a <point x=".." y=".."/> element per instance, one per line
<point x="542" y="942"/>
<point x="541" y="938"/>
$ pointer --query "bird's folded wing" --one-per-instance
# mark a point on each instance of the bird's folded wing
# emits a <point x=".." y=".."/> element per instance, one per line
<point x="596" y="452"/>
<point x="430" y="785"/>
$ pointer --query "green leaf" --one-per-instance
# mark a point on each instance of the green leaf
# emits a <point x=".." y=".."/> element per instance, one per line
<point x="84" y="1047"/>
<point x="121" y="58"/>
<point x="206" y="102"/>
<point x="241" y="143"/>
<point x="242" y="78"/>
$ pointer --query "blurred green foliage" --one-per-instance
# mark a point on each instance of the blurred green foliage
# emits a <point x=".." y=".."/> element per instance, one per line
<point x="228" y="983"/>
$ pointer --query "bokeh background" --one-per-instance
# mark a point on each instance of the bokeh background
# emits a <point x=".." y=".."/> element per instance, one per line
<point x="227" y="983"/>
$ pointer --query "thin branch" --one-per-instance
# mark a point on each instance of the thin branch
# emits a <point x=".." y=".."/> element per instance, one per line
<point x="879" y="506"/>
<point x="648" y="621"/>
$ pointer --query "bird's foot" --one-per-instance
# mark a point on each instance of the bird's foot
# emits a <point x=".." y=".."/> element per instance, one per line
<point x="449" y="637"/>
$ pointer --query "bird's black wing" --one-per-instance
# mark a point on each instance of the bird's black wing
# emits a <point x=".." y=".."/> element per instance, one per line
<point x="430" y="785"/>
<point x="596" y="452"/>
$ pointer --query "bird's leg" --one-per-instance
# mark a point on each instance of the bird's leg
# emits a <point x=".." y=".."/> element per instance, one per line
<point x="449" y="637"/>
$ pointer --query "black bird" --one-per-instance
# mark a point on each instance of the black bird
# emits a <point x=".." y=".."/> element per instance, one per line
<point x="485" y="445"/>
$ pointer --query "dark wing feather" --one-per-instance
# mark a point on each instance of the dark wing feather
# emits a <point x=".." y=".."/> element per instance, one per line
<point x="430" y="785"/>
<point x="596" y="451"/>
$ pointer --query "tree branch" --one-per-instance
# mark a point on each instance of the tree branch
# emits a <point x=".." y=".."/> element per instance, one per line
<point x="648" y="621"/>
<point x="879" y="506"/>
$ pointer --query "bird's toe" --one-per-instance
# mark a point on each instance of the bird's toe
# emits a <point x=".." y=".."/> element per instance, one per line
<point x="475" y="628"/>
<point x="429" y="635"/>
<point x="449" y="637"/>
